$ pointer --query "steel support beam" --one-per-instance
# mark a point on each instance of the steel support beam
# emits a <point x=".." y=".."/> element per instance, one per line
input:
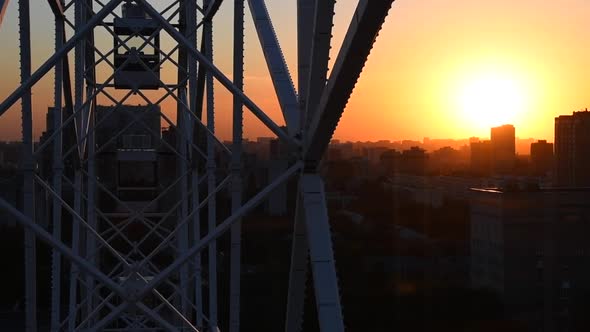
<point x="57" y="8"/>
<point x="57" y="184"/>
<point x="320" y="55"/>
<point x="211" y="177"/>
<point x="305" y="14"/>
<point x="47" y="237"/>
<point x="321" y="253"/>
<point x="297" y="272"/>
<point x="195" y="177"/>
<point x="74" y="269"/>
<point x="212" y="9"/>
<point x="224" y="80"/>
<point x="314" y="115"/>
<point x="57" y="56"/>
<point x="198" y="247"/>
<point x="196" y="238"/>
<point x="127" y="297"/>
<point x="182" y="163"/>
<point x="214" y="234"/>
<point x="92" y="254"/>
<point x="28" y="168"/>
<point x="362" y="32"/>
<point x="277" y="66"/>
<point x="236" y="170"/>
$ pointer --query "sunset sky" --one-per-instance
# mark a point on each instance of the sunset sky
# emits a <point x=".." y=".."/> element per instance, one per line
<point x="440" y="68"/>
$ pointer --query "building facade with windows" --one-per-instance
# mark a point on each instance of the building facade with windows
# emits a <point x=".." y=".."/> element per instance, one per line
<point x="531" y="247"/>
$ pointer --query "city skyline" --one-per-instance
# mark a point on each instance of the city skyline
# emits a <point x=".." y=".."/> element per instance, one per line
<point x="502" y="46"/>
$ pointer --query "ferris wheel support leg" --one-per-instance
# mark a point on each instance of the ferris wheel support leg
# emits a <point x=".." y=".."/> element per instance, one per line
<point x="182" y="143"/>
<point x="27" y="165"/>
<point x="211" y="166"/>
<point x="236" y="168"/>
<point x="87" y="142"/>
<point x="321" y="253"/>
<point x="75" y="272"/>
<point x="277" y="66"/>
<point x="57" y="185"/>
<point x="360" y="37"/>
<point x="182" y="235"/>
<point x="305" y="14"/>
<point x="298" y="272"/>
<point x="194" y="129"/>
<point x="320" y="55"/>
<point x="91" y="245"/>
<point x="196" y="239"/>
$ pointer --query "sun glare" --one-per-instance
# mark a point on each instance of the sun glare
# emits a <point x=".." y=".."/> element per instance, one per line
<point x="491" y="99"/>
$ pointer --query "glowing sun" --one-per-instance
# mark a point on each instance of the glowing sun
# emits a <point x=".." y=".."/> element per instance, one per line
<point x="491" y="99"/>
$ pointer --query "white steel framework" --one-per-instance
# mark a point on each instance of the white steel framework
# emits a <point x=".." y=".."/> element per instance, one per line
<point x="166" y="278"/>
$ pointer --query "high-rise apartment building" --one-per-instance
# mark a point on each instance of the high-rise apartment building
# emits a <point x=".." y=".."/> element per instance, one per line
<point x="541" y="157"/>
<point x="572" y="150"/>
<point x="503" y="148"/>
<point x="530" y="246"/>
<point x="413" y="161"/>
<point x="481" y="157"/>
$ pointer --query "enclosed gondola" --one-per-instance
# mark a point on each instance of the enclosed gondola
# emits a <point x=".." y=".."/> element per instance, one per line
<point x="137" y="55"/>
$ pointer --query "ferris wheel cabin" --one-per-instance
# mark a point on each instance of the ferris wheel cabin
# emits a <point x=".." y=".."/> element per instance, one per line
<point x="137" y="56"/>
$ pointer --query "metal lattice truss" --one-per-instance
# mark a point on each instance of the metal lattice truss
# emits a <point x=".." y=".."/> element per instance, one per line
<point x="133" y="269"/>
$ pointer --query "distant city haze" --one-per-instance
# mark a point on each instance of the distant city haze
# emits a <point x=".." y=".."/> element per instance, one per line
<point x="442" y="68"/>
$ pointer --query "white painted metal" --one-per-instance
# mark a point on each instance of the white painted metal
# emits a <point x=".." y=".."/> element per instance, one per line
<point x="198" y="284"/>
<point x="182" y="169"/>
<point x="305" y="15"/>
<point x="57" y="56"/>
<point x="320" y="55"/>
<point x="87" y="142"/>
<point x="277" y="66"/>
<point x="74" y="271"/>
<point x="98" y="298"/>
<point x="221" y="78"/>
<point x="236" y="170"/>
<point x="28" y="167"/>
<point x="321" y="253"/>
<point x="57" y="185"/>
<point x="362" y="33"/>
<point x="195" y="177"/>
<point x="297" y="272"/>
<point x="46" y="237"/>
<point x="91" y="245"/>
<point x="211" y="176"/>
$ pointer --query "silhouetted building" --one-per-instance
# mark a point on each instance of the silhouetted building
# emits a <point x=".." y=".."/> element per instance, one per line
<point x="10" y="154"/>
<point x="530" y="245"/>
<point x="541" y="157"/>
<point x="334" y="153"/>
<point x="413" y="161"/>
<point x="503" y="148"/>
<point x="263" y="147"/>
<point x="572" y="149"/>
<point x="481" y="157"/>
<point x="373" y="154"/>
<point x="277" y="165"/>
<point x="389" y="161"/>
<point x="446" y="160"/>
<point x="128" y="166"/>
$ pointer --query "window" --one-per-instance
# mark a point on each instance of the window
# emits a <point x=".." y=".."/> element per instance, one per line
<point x="137" y="174"/>
<point x="136" y="142"/>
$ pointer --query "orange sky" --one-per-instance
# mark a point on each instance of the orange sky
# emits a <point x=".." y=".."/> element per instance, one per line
<point x="429" y="53"/>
